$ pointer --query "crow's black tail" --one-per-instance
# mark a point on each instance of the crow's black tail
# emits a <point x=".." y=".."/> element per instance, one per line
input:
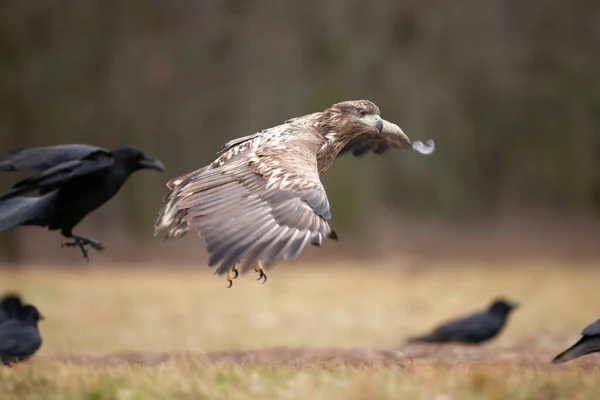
<point x="423" y="339"/>
<point x="17" y="211"/>
<point x="584" y="346"/>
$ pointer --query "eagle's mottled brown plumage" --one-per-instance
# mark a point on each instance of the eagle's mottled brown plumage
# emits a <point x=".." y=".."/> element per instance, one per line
<point x="262" y="198"/>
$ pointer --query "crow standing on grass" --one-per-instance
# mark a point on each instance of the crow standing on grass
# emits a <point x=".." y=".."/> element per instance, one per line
<point x="589" y="343"/>
<point x="262" y="199"/>
<point x="19" y="334"/>
<point x="474" y="329"/>
<point x="73" y="180"/>
<point x="20" y="337"/>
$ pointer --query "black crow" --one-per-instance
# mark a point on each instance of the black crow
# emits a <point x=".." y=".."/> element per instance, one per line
<point x="72" y="180"/>
<point x="20" y="337"/>
<point x="589" y="343"/>
<point x="476" y="328"/>
<point x="10" y="306"/>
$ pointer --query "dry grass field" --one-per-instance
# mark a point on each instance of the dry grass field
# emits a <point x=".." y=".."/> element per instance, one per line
<point x="312" y="331"/>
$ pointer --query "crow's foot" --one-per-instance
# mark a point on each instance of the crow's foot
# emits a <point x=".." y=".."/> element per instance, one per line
<point x="81" y="242"/>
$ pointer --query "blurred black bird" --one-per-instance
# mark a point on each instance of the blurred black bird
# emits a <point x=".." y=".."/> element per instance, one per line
<point x="20" y="337"/>
<point x="9" y="306"/>
<point x="73" y="180"/>
<point x="589" y="343"/>
<point x="474" y="329"/>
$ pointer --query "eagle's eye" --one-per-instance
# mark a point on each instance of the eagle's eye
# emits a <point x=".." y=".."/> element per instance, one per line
<point x="362" y="113"/>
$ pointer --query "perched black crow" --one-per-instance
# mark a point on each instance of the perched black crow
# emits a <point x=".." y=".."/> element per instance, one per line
<point x="72" y="180"/>
<point x="10" y="306"/>
<point x="589" y="343"/>
<point x="476" y="328"/>
<point x="20" y="337"/>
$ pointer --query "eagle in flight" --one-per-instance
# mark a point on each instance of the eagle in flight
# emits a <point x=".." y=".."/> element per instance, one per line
<point x="262" y="200"/>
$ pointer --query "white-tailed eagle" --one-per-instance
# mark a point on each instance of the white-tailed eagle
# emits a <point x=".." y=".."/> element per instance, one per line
<point x="262" y="200"/>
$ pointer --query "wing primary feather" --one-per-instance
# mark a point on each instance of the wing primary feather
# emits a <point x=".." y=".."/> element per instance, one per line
<point x="237" y="251"/>
<point x="229" y="243"/>
<point x="222" y="208"/>
<point x="317" y="240"/>
<point x="253" y="253"/>
<point x="297" y="246"/>
<point x="274" y="256"/>
<point x="275" y="246"/>
<point x="189" y="200"/>
<point x="225" y="197"/>
<point x="220" y="237"/>
<point x="242" y="214"/>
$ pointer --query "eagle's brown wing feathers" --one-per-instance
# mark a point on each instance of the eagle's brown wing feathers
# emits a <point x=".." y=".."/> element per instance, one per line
<point x="256" y="206"/>
<point x="390" y="137"/>
<point x="377" y="144"/>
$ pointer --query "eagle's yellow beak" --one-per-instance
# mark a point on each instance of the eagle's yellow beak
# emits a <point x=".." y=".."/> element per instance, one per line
<point x="374" y="121"/>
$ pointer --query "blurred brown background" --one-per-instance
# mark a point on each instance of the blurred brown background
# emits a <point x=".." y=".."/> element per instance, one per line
<point x="509" y="90"/>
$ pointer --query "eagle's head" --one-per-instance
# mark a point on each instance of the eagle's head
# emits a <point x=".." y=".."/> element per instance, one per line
<point x="344" y="121"/>
<point x="348" y="119"/>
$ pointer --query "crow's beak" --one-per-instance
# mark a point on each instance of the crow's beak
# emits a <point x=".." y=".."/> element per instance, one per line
<point x="41" y="317"/>
<point x="149" y="163"/>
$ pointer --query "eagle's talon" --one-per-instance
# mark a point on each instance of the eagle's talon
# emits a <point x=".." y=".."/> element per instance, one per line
<point x="261" y="273"/>
<point x="262" y="276"/>
<point x="232" y="274"/>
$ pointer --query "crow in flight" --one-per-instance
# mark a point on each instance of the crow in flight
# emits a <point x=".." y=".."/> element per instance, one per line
<point x="73" y="180"/>
<point x="476" y="328"/>
<point x="589" y="343"/>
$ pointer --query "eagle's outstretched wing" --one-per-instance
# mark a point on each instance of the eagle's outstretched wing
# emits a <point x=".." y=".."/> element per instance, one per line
<point x="390" y="137"/>
<point x="265" y="204"/>
<point x="379" y="144"/>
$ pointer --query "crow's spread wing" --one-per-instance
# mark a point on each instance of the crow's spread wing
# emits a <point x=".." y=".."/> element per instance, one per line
<point x="37" y="159"/>
<point x="56" y="176"/>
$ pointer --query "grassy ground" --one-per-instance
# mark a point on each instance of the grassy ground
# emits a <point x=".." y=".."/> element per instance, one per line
<point x="311" y="331"/>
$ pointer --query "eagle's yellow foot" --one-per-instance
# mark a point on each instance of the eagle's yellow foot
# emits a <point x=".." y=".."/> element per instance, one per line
<point x="261" y="272"/>
<point x="232" y="274"/>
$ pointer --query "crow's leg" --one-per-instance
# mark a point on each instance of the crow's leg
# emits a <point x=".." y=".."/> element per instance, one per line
<point x="232" y="274"/>
<point x="81" y="242"/>
<point x="261" y="272"/>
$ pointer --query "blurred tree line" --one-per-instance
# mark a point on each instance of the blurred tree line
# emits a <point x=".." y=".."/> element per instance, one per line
<point x="509" y="90"/>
